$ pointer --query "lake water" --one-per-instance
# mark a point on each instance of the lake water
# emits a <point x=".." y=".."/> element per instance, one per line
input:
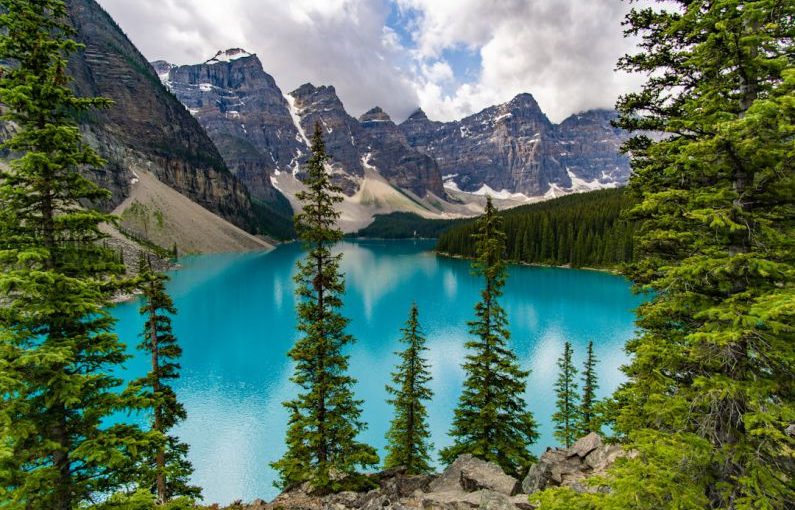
<point x="236" y="322"/>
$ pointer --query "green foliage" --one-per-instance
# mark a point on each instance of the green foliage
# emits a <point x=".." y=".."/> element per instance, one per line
<point x="589" y="420"/>
<point x="408" y="442"/>
<point x="662" y="473"/>
<point x="164" y="468"/>
<point x="274" y="219"/>
<point x="142" y="499"/>
<point x="405" y="225"/>
<point x="566" y="417"/>
<point x="57" y="352"/>
<point x="582" y="230"/>
<point x="324" y="417"/>
<point x="711" y="377"/>
<point x="492" y="421"/>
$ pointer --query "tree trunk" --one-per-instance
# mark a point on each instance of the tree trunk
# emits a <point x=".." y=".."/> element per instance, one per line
<point x="160" y="456"/>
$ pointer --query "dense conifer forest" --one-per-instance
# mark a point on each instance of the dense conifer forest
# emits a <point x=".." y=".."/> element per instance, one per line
<point x="584" y="230"/>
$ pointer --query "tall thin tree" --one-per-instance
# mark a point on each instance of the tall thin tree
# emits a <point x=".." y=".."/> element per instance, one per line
<point x="408" y="442"/>
<point x="492" y="421"/>
<point x="166" y="469"/>
<point x="587" y="420"/>
<point x="57" y="352"/>
<point x="325" y="418"/>
<point x="566" y="416"/>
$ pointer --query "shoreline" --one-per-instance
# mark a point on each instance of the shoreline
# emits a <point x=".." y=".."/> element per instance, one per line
<point x="536" y="264"/>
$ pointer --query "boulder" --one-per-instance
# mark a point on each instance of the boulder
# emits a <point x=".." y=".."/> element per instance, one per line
<point x="468" y="473"/>
<point x="586" y="445"/>
<point x="603" y="457"/>
<point x="571" y="466"/>
<point x="491" y="500"/>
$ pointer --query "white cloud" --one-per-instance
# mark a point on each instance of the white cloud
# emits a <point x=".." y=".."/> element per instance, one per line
<point x="561" y="51"/>
<point x="328" y="42"/>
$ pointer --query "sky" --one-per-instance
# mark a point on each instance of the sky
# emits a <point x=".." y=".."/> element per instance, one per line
<point x="452" y="58"/>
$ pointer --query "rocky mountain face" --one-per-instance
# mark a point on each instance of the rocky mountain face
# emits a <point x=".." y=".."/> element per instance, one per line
<point x="260" y="131"/>
<point x="514" y="147"/>
<point x="146" y="126"/>
<point x="243" y="112"/>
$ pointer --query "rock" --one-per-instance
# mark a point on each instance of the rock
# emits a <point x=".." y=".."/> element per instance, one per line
<point x="571" y="466"/>
<point x="479" y="474"/>
<point x="600" y="458"/>
<point x="450" y="500"/>
<point x="491" y="500"/>
<point x="586" y="445"/>
<point x="470" y="474"/>
<point x="790" y="430"/>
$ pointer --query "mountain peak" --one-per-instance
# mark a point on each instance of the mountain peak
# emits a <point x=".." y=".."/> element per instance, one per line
<point x="375" y="115"/>
<point x="524" y="99"/>
<point x="229" y="55"/>
<point x="418" y="114"/>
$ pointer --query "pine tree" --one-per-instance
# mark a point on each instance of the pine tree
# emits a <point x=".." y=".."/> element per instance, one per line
<point x="408" y="436"/>
<point x="57" y="352"/>
<point x="166" y="468"/>
<point x="588" y="421"/>
<point x="325" y="417"/>
<point x="492" y="421"/>
<point x="566" y="415"/>
<point x="711" y="390"/>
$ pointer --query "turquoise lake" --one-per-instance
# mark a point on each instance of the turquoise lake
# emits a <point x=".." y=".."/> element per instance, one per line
<point x="236" y="323"/>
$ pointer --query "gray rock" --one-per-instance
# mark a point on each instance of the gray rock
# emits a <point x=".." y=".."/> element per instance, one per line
<point x="586" y="445"/>
<point x="790" y="430"/>
<point x="571" y="466"/>
<point x="604" y="456"/>
<point x="514" y="146"/>
<point x="479" y="474"/>
<point x="491" y="500"/>
<point x="471" y="474"/>
<point x="450" y="500"/>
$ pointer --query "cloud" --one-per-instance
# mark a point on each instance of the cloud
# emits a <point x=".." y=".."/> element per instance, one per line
<point x="336" y="42"/>
<point x="562" y="51"/>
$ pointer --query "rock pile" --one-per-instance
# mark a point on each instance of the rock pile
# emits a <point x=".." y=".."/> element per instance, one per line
<point x="468" y="483"/>
<point x="570" y="466"/>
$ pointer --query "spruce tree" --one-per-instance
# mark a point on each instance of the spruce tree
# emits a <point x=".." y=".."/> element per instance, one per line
<point x="588" y="420"/>
<point x="325" y="417"/>
<point x="408" y="442"/>
<point x="567" y="413"/>
<point x="165" y="469"/>
<point x="57" y="352"/>
<point x="492" y="421"/>
<point x="711" y="390"/>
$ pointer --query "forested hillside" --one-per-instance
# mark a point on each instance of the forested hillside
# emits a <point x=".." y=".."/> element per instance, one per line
<point x="405" y="225"/>
<point x="581" y="230"/>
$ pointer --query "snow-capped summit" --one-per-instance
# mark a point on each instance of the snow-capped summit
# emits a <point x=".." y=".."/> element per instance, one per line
<point x="229" y="55"/>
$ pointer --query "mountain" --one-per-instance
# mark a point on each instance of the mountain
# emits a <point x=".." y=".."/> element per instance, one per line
<point x="261" y="132"/>
<point x="513" y="148"/>
<point x="511" y="151"/>
<point x="147" y="128"/>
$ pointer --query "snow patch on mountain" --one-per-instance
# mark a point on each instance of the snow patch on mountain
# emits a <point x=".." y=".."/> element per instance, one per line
<point x="229" y="55"/>
<point x="296" y="116"/>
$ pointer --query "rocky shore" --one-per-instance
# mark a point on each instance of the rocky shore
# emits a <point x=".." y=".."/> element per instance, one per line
<point x="467" y="484"/>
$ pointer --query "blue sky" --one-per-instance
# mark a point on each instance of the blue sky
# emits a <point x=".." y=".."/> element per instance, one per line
<point x="450" y="57"/>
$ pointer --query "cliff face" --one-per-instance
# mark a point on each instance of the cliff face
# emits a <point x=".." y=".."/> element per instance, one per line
<point x="514" y="147"/>
<point x="245" y="115"/>
<point x="146" y="125"/>
<point x="390" y="152"/>
<point x="259" y="131"/>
